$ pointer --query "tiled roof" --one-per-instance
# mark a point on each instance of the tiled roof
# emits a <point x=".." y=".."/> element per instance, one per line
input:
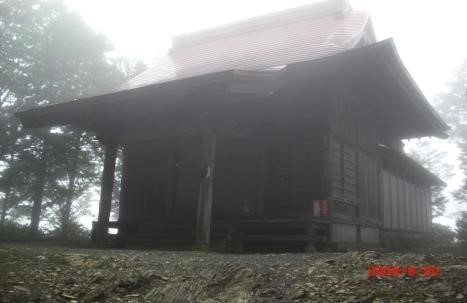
<point x="300" y="34"/>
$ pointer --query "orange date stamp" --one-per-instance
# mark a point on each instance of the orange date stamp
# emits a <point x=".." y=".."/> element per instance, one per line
<point x="407" y="271"/>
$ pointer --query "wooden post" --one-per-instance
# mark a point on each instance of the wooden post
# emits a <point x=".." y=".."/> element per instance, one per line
<point x="310" y="245"/>
<point x="203" y="224"/>
<point x="123" y="203"/>
<point x="261" y="181"/>
<point x="172" y="183"/>
<point x="123" y="185"/>
<point x="107" y="183"/>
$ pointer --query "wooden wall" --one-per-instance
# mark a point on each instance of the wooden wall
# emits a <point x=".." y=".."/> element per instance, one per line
<point x="269" y="160"/>
<point x="359" y="188"/>
<point x="237" y="178"/>
<point x="293" y="176"/>
<point x="266" y="169"/>
<point x="162" y="178"/>
<point x="406" y="205"/>
<point x="274" y="178"/>
<point x="353" y="159"/>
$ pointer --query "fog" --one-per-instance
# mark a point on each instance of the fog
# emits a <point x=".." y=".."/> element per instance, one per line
<point x="429" y="35"/>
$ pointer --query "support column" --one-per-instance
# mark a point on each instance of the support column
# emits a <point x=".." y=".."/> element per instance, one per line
<point x="172" y="181"/>
<point x="107" y="183"/>
<point x="261" y="181"/>
<point x="123" y="203"/>
<point x="203" y="224"/>
<point x="310" y="246"/>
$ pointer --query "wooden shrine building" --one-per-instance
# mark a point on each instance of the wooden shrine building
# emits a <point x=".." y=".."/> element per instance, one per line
<point x="284" y="128"/>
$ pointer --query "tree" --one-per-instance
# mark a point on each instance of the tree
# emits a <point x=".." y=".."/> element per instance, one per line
<point x="48" y="55"/>
<point x="461" y="227"/>
<point x="452" y="106"/>
<point x="442" y="234"/>
<point x="435" y="161"/>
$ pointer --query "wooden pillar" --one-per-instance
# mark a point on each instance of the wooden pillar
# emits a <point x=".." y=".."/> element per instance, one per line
<point x="310" y="246"/>
<point x="123" y="203"/>
<point x="203" y="223"/>
<point x="261" y="181"/>
<point x="107" y="183"/>
<point x="172" y="180"/>
<point x="123" y="186"/>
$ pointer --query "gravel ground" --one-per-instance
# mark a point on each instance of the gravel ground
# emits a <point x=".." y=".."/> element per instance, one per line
<point x="35" y="273"/>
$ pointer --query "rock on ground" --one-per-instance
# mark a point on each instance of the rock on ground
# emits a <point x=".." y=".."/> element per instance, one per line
<point x="53" y="274"/>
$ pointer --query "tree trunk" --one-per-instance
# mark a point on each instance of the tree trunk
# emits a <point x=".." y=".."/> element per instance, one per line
<point x="66" y="219"/>
<point x="5" y="206"/>
<point x="6" y="200"/>
<point x="66" y="213"/>
<point x="38" y="193"/>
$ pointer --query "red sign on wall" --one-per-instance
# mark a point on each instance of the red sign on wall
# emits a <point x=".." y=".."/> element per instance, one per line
<point x="320" y="208"/>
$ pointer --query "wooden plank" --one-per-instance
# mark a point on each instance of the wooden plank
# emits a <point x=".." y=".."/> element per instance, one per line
<point x="421" y="210"/>
<point x="124" y="193"/>
<point x="386" y="188"/>
<point x="402" y="203"/>
<point x="413" y="203"/>
<point x="417" y="208"/>
<point x="261" y="181"/>
<point x="394" y="203"/>
<point x="172" y="182"/>
<point x="369" y="235"/>
<point x="429" y="210"/>
<point x="410" y="205"/>
<point x="425" y="216"/>
<point x="282" y="238"/>
<point x="203" y="224"/>
<point x="406" y="209"/>
<point x="363" y="173"/>
<point x="343" y="233"/>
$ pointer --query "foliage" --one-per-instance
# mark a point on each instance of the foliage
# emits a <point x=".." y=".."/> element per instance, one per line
<point x="461" y="227"/>
<point x="11" y="230"/>
<point x="49" y="55"/>
<point x="76" y="232"/>
<point x="442" y="234"/>
<point x="435" y="161"/>
<point x="452" y="106"/>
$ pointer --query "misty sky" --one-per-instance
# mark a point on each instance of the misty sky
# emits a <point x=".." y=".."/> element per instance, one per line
<point x="430" y="35"/>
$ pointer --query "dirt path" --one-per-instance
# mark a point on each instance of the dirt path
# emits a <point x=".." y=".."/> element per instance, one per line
<point x="54" y="274"/>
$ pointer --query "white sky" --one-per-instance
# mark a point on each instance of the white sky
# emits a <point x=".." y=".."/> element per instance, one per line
<point x="430" y="35"/>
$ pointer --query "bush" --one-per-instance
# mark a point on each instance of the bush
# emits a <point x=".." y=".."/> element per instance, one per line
<point x="461" y="228"/>
<point x="13" y="231"/>
<point x="75" y="233"/>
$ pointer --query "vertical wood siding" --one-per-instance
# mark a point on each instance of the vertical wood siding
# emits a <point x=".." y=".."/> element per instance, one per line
<point x="356" y="172"/>
<point x="407" y="205"/>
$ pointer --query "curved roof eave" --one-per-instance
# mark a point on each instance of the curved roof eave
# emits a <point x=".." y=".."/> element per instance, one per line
<point x="377" y="53"/>
<point x="417" y="95"/>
